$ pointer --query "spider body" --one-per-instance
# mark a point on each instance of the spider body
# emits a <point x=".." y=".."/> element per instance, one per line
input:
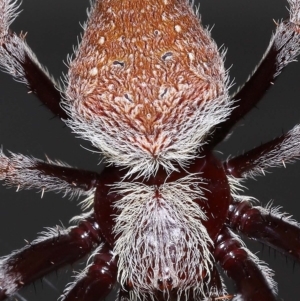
<point x="145" y="103"/>
<point x="208" y="166"/>
<point x="105" y="213"/>
<point x="148" y="89"/>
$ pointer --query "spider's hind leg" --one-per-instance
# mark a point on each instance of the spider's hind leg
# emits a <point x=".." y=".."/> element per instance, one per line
<point x="96" y="281"/>
<point x="48" y="253"/>
<point x="17" y="59"/>
<point x="243" y="268"/>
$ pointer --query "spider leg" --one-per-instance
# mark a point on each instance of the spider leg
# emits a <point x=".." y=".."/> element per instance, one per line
<point x="216" y="287"/>
<point x="25" y="172"/>
<point x="283" y="49"/>
<point x="96" y="281"/>
<point x="243" y="268"/>
<point x="277" y="152"/>
<point x="17" y="59"/>
<point x="266" y="225"/>
<point x="53" y="250"/>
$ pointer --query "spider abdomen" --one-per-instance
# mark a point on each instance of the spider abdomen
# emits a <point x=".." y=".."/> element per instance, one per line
<point x="151" y="72"/>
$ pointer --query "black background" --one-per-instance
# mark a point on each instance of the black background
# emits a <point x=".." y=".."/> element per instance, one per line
<point x="244" y="27"/>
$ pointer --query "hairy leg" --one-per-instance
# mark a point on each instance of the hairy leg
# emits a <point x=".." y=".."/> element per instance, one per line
<point x="251" y="279"/>
<point x="283" y="49"/>
<point x="54" y="249"/>
<point x="267" y="226"/>
<point x="96" y="281"/>
<point x="27" y="172"/>
<point x="17" y="59"/>
<point x="277" y="152"/>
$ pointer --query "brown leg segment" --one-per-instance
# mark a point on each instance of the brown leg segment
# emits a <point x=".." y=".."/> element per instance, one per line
<point x="96" y="282"/>
<point x="277" y="152"/>
<point x="17" y="59"/>
<point x="81" y="179"/>
<point x="250" y="161"/>
<point x="27" y="173"/>
<point x="250" y="282"/>
<point x="283" y="49"/>
<point x="46" y="255"/>
<point x="266" y="227"/>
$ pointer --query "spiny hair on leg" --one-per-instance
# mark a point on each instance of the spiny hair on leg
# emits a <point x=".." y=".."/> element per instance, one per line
<point x="288" y="151"/>
<point x="294" y="11"/>
<point x="8" y="13"/>
<point x="14" y="51"/>
<point x="51" y="233"/>
<point x="276" y="211"/>
<point x="80" y="275"/>
<point x="266" y="271"/>
<point x="78" y="218"/>
<point x="22" y="172"/>
<point x="236" y="188"/>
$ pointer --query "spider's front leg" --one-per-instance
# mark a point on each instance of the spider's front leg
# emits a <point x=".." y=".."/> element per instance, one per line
<point x="283" y="49"/>
<point x="17" y="59"/>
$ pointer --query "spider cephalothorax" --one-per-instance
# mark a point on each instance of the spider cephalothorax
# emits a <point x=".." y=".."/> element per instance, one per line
<point x="148" y="89"/>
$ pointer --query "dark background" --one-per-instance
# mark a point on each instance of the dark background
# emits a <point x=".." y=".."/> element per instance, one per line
<point x="244" y="27"/>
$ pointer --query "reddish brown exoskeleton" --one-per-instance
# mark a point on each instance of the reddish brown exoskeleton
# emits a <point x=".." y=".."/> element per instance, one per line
<point x="149" y="90"/>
